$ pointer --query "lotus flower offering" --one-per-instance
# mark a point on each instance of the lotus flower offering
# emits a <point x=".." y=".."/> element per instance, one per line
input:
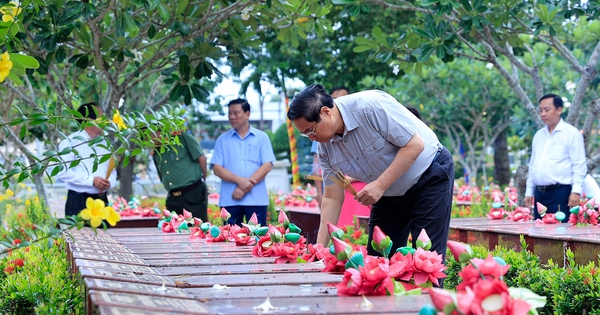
<point x="587" y="213"/>
<point x="482" y="290"/>
<point x="408" y="271"/>
<point x="282" y="241"/>
<point x="133" y="207"/>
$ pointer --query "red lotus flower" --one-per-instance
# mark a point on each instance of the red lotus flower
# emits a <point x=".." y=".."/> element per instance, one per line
<point x="401" y="266"/>
<point x="332" y="264"/>
<point x="241" y="236"/>
<point x="315" y="252"/>
<point x="167" y="227"/>
<point x="288" y="252"/>
<point x="549" y="218"/>
<point x="196" y="232"/>
<point x="492" y="297"/>
<point x="370" y="279"/>
<point x="264" y="247"/>
<point x="520" y="214"/>
<point x="428" y="267"/>
<point x="488" y="269"/>
<point x="496" y="213"/>
<point x="223" y="235"/>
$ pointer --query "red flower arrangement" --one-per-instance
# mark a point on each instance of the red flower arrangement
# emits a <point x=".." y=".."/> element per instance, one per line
<point x="483" y="290"/>
<point x="283" y="241"/>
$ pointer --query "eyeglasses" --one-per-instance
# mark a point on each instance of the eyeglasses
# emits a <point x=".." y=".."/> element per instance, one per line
<point x="310" y="133"/>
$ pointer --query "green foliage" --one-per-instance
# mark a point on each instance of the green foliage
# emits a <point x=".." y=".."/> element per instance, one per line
<point x="43" y="285"/>
<point x="573" y="289"/>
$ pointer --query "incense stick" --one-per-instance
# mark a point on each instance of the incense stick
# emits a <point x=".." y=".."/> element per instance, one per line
<point x="343" y="182"/>
<point x="111" y="167"/>
<point x="313" y="177"/>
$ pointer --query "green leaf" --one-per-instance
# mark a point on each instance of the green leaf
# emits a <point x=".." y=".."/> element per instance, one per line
<point x="182" y="6"/>
<point x="27" y="61"/>
<point x="13" y="77"/>
<point x="342" y="2"/>
<point x="151" y="31"/>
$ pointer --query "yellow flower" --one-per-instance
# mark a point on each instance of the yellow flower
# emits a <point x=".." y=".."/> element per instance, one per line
<point x="10" y="193"/>
<point x="113" y="217"/>
<point x="9" y="13"/>
<point x="28" y="188"/>
<point x="117" y="119"/>
<point x="303" y="19"/>
<point x="27" y="202"/>
<point x="95" y="212"/>
<point x="5" y="66"/>
<point x="19" y="200"/>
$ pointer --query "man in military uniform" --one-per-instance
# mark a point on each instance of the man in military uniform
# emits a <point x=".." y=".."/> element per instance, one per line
<point x="182" y="171"/>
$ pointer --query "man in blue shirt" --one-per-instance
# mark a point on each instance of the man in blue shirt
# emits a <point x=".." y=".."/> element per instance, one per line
<point x="242" y="158"/>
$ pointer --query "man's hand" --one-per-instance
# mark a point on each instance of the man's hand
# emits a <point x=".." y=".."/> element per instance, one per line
<point x="245" y="184"/>
<point x="101" y="183"/>
<point x="238" y="193"/>
<point x="574" y="200"/>
<point x="370" y="193"/>
<point x="528" y="201"/>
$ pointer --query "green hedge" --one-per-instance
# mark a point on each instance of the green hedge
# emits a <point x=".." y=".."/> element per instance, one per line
<point x="573" y="289"/>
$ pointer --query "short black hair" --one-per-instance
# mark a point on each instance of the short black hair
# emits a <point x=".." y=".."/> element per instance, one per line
<point x="556" y="100"/>
<point x="339" y="88"/>
<point x="89" y="111"/>
<point x="241" y="101"/>
<point x="308" y="103"/>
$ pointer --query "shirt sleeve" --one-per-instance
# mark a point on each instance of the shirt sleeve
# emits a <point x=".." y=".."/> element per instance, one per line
<point x="73" y="175"/>
<point x="266" y="150"/>
<point x="217" y="157"/>
<point x="314" y="147"/>
<point x="191" y="145"/>
<point x="577" y="156"/>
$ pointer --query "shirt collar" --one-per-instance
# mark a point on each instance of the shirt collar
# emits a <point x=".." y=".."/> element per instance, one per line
<point x="251" y="130"/>
<point x="350" y="123"/>
<point x="559" y="127"/>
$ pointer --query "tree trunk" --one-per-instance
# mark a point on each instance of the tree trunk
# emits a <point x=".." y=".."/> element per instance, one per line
<point x="501" y="161"/>
<point x="521" y="182"/>
<point x="38" y="180"/>
<point x="126" y="179"/>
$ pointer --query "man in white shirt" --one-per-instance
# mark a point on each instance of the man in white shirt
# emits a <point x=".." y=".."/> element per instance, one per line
<point x="81" y="180"/>
<point x="558" y="165"/>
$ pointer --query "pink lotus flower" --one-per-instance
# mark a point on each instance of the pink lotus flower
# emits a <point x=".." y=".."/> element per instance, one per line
<point x="315" y="252"/>
<point x="196" y="232"/>
<point x="378" y="235"/>
<point x="520" y="214"/>
<point x="496" y="213"/>
<point x="541" y="209"/>
<point x="457" y="249"/>
<point x="167" y="227"/>
<point x="370" y="279"/>
<point x="402" y="267"/>
<point x="224" y="215"/>
<point x="423" y="240"/>
<point x="282" y="219"/>
<point x="440" y="298"/>
<point x="487" y="269"/>
<point x="492" y="297"/>
<point x="428" y="267"/>
<point x="241" y="236"/>
<point x="342" y="249"/>
<point x="264" y="247"/>
<point x="549" y="218"/>
<point x="287" y="252"/>
<point x="186" y="214"/>
<point x="197" y="222"/>
<point x="253" y="219"/>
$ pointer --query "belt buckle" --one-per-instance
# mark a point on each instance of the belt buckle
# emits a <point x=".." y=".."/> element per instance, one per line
<point x="177" y="193"/>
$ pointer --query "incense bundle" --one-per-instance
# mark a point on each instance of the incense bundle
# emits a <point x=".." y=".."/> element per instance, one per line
<point x="111" y="167"/>
<point x="341" y="180"/>
<point x="313" y="177"/>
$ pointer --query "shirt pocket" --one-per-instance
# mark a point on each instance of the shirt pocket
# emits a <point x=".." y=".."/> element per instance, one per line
<point x="253" y="153"/>
<point x="556" y="151"/>
<point x="375" y="154"/>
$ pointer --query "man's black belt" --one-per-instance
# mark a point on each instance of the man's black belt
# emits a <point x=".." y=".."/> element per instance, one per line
<point x="183" y="190"/>
<point x="549" y="187"/>
<point x="86" y="195"/>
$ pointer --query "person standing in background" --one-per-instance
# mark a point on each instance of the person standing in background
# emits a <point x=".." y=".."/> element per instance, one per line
<point x="242" y="158"/>
<point x="80" y="180"/>
<point x="557" y="167"/>
<point x="182" y="171"/>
